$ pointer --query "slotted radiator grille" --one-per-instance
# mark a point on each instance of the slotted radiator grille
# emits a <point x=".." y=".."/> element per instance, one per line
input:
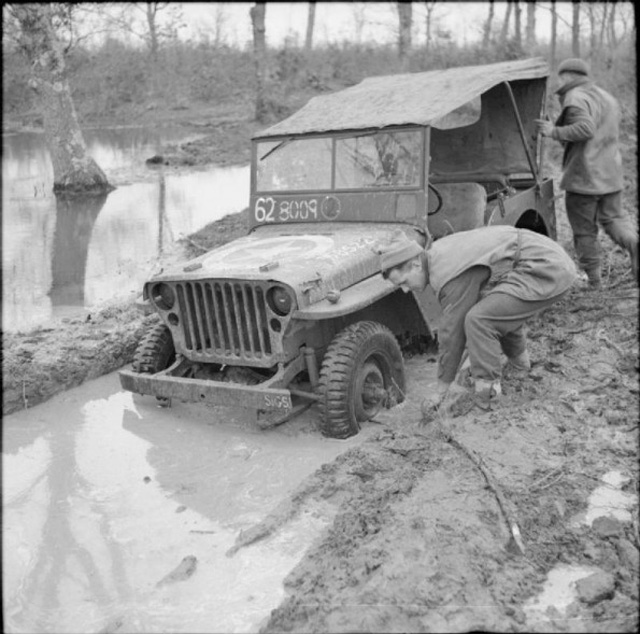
<point x="227" y="320"/>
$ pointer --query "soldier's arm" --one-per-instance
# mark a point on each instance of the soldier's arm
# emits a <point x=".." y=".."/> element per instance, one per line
<point x="577" y="125"/>
<point x="456" y="299"/>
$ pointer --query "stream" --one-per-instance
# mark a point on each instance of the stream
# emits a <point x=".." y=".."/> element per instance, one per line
<point x="61" y="259"/>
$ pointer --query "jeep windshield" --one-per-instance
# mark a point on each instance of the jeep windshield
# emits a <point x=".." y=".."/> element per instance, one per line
<point x="362" y="161"/>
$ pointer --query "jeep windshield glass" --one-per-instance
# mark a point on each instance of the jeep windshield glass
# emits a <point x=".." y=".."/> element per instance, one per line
<point x="294" y="165"/>
<point x="383" y="159"/>
<point x="363" y="161"/>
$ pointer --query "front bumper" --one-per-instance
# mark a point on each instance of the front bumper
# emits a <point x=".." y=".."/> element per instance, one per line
<point x="204" y="391"/>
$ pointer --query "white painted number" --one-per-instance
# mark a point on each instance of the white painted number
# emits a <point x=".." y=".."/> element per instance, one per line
<point x="288" y="210"/>
<point x="262" y="214"/>
<point x="278" y="401"/>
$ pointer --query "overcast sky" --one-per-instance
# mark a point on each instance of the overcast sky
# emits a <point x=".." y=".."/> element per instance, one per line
<point x="336" y="21"/>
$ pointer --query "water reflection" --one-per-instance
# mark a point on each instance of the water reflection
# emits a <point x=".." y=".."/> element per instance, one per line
<point x="61" y="258"/>
<point x="75" y="217"/>
<point x="104" y="494"/>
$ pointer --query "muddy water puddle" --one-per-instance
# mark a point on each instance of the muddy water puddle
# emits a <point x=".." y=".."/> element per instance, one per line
<point x="105" y="494"/>
<point x="61" y="257"/>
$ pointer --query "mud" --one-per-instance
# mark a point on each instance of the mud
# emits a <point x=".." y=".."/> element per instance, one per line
<point x="416" y="539"/>
<point x="419" y="542"/>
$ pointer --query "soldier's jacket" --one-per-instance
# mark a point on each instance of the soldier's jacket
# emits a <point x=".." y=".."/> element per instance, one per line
<point x="523" y="263"/>
<point x="588" y="126"/>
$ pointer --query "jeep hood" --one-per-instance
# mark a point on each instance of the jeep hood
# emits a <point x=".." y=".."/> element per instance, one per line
<point x="312" y="262"/>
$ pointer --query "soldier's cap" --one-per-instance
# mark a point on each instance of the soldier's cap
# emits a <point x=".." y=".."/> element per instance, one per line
<point x="396" y="250"/>
<point x="573" y="65"/>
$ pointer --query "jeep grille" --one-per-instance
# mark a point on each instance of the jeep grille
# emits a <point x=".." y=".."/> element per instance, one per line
<point x="226" y="320"/>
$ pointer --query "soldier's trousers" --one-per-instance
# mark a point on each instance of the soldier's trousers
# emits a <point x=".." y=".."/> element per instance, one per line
<point x="585" y="212"/>
<point x="495" y="325"/>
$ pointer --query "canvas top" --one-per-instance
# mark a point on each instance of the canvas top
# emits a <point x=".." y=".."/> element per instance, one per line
<point x="424" y="98"/>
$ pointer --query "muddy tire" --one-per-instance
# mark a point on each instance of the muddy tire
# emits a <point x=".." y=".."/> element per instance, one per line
<point x="155" y="352"/>
<point x="362" y="372"/>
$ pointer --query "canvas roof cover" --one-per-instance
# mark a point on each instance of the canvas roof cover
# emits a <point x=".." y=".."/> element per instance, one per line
<point x="412" y="98"/>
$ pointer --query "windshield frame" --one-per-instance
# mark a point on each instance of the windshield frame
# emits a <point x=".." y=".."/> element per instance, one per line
<point x="283" y="140"/>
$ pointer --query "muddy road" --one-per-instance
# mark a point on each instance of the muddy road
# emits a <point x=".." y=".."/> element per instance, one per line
<point x="121" y="516"/>
<point x="118" y="514"/>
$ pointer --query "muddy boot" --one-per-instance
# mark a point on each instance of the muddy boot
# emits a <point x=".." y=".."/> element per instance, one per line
<point x="595" y="281"/>
<point x="487" y="393"/>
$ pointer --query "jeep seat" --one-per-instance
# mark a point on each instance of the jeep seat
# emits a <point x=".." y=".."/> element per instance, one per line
<point x="463" y="208"/>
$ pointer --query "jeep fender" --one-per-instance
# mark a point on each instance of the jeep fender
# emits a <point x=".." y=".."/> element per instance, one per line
<point x="349" y="300"/>
<point x="364" y="294"/>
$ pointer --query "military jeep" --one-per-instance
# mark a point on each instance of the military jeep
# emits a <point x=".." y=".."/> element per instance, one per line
<point x="296" y="313"/>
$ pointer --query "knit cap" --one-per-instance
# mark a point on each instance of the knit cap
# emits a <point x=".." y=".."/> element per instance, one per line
<point x="574" y="65"/>
<point x="396" y="250"/>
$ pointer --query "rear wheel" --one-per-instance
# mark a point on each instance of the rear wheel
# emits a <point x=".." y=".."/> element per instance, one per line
<point x="362" y="372"/>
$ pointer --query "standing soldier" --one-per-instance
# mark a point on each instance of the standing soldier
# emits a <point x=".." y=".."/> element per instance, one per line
<point x="588" y="126"/>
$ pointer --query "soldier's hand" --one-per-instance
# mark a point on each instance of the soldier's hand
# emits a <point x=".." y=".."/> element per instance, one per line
<point x="544" y="127"/>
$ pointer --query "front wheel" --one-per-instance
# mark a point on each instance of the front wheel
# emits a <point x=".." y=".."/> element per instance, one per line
<point x="155" y="353"/>
<point x="362" y="372"/>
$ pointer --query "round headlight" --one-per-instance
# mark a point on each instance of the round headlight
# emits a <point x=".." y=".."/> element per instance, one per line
<point x="163" y="296"/>
<point x="279" y="300"/>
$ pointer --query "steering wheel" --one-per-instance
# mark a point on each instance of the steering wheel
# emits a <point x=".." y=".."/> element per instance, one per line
<point x="439" y="198"/>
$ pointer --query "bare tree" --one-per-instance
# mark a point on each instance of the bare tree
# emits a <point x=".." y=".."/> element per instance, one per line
<point x="575" y="30"/>
<point x="505" y="25"/>
<point x="258" y="12"/>
<point x="404" y="33"/>
<point x="554" y="34"/>
<point x="219" y="22"/>
<point x="613" y="42"/>
<point x="429" y="6"/>
<point x="359" y="18"/>
<point x="530" y="32"/>
<point x="486" y="36"/>
<point x="74" y="171"/>
<point x="151" y="22"/>
<point x="518" y="25"/>
<point x="311" y="18"/>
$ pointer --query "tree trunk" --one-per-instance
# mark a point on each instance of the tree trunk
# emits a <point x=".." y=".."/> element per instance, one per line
<point x="257" y="13"/>
<point x="404" y="35"/>
<point x="311" y="18"/>
<point x="554" y="34"/>
<point x="505" y="24"/>
<point x="575" y="30"/>
<point x="613" y="41"/>
<point x="593" y="40"/>
<point x="151" y="10"/>
<point x="430" y="6"/>
<point x="530" y="38"/>
<point x="518" y="20"/>
<point x="486" y="35"/>
<point x="73" y="170"/>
